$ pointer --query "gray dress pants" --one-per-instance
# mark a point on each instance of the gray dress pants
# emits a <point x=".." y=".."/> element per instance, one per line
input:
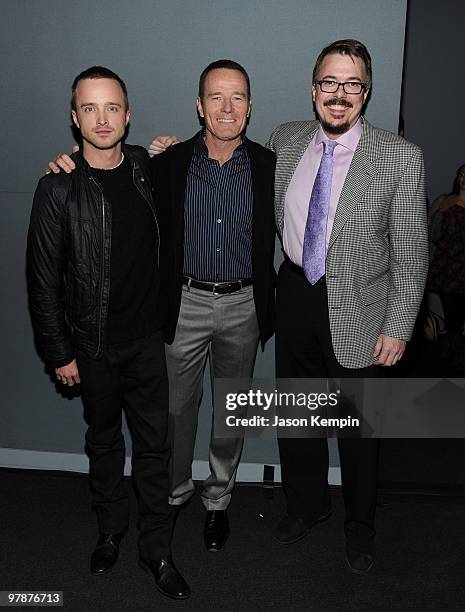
<point x="226" y="328"/>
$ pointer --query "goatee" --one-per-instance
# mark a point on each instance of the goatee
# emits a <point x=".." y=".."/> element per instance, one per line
<point x="329" y="128"/>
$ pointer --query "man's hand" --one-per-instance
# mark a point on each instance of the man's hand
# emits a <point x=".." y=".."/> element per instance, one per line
<point x="388" y="350"/>
<point x="62" y="161"/>
<point x="161" y="143"/>
<point x="68" y="374"/>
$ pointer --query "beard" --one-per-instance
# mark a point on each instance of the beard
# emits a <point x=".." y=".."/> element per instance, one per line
<point x="339" y="128"/>
<point x="329" y="128"/>
<point x="103" y="145"/>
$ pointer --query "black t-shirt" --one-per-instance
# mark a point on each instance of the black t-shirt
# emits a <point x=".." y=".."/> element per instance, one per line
<point x="132" y="309"/>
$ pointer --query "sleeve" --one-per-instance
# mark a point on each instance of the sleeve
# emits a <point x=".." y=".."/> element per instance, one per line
<point x="45" y="266"/>
<point x="408" y="235"/>
<point x="270" y="143"/>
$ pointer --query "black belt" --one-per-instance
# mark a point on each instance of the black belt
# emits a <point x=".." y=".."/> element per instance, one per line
<point x="220" y="288"/>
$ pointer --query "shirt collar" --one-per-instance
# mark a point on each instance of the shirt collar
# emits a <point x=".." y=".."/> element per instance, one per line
<point x="349" y="139"/>
<point x="202" y="150"/>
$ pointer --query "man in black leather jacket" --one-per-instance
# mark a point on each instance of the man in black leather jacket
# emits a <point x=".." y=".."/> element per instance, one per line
<point x="93" y="277"/>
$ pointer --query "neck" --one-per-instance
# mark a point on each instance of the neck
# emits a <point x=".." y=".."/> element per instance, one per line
<point x="221" y="150"/>
<point x="102" y="158"/>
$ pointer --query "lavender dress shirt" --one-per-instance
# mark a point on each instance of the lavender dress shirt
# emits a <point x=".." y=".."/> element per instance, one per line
<point x="300" y="188"/>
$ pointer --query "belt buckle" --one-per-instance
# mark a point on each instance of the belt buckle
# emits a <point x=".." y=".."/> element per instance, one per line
<point x="229" y="284"/>
<point x="214" y="288"/>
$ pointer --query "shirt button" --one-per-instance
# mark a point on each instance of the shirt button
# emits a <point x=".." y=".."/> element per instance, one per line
<point x="218" y="220"/>
<point x="217" y="250"/>
<point x="142" y="180"/>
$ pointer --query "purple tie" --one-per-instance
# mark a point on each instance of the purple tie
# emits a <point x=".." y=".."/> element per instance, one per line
<point x="314" y="251"/>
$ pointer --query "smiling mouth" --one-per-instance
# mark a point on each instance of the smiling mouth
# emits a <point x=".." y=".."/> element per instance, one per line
<point x="338" y="105"/>
<point x="226" y="120"/>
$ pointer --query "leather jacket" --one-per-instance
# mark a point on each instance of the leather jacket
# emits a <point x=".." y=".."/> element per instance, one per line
<point x="68" y="258"/>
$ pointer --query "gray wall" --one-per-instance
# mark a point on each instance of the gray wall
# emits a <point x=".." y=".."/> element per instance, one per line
<point x="434" y="88"/>
<point x="159" y="48"/>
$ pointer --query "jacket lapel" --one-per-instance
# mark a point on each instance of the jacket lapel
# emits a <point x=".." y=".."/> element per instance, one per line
<point x="288" y="160"/>
<point x="258" y="202"/>
<point x="178" y="173"/>
<point x="361" y="173"/>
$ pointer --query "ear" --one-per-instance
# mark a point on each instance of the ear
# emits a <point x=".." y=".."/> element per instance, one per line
<point x="128" y="116"/>
<point x="365" y="95"/>
<point x="75" y="119"/>
<point x="249" y="110"/>
<point x="313" y="93"/>
<point x="199" y="107"/>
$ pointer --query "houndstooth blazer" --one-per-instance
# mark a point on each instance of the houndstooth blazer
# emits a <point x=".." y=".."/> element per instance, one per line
<point x="377" y="258"/>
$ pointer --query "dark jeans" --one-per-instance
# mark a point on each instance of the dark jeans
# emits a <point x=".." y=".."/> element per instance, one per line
<point x="131" y="376"/>
<point x="304" y="350"/>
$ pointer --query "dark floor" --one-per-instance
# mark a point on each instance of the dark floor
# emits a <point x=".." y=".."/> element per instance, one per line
<point x="48" y="533"/>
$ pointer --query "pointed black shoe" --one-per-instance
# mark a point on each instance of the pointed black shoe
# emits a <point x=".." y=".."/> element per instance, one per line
<point x="290" y="530"/>
<point x="105" y="553"/>
<point x="216" y="530"/>
<point x="167" y="578"/>
<point x="359" y="562"/>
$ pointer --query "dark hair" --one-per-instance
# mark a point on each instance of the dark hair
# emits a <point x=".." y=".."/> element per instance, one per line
<point x="456" y="188"/>
<point x="97" y="72"/>
<point x="348" y="46"/>
<point x="223" y="63"/>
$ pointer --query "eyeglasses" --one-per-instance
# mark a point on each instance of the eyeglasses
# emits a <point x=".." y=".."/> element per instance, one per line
<point x="350" y="87"/>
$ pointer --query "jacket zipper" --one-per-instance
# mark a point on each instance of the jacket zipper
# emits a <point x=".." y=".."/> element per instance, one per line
<point x="102" y="267"/>
<point x="151" y="209"/>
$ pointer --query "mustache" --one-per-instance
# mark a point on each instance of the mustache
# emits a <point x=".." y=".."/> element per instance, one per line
<point x="340" y="101"/>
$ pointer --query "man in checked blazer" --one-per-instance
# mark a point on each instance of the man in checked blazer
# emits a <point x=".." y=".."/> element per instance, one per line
<point x="359" y="314"/>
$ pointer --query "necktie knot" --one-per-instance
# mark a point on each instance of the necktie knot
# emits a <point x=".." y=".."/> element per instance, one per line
<point x="329" y="146"/>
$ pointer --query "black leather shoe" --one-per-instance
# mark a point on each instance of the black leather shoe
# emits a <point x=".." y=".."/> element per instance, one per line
<point x="290" y="530"/>
<point x="105" y="554"/>
<point x="216" y="530"/>
<point x="359" y="562"/>
<point x="167" y="578"/>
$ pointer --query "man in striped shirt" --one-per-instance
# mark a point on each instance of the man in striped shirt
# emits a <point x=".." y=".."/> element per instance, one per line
<point x="215" y="197"/>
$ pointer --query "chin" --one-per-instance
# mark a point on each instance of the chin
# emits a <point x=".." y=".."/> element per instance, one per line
<point x="331" y="128"/>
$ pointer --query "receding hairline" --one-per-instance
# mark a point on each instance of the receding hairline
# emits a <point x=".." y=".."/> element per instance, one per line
<point x="246" y="88"/>
<point x="352" y="57"/>
<point x="92" y="74"/>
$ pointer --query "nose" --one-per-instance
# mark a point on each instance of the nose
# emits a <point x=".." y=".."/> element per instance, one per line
<point x="340" y="93"/>
<point x="227" y="105"/>
<point x="102" y="118"/>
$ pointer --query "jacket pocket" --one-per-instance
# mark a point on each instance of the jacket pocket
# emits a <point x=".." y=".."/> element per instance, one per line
<point x="374" y="293"/>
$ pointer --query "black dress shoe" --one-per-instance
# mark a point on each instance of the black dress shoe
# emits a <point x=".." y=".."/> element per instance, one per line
<point x="290" y="530"/>
<point x="216" y="530"/>
<point x="105" y="554"/>
<point x="359" y="562"/>
<point x="167" y="578"/>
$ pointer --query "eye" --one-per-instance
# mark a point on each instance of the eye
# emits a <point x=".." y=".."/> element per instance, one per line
<point x="330" y="83"/>
<point x="113" y="109"/>
<point x="88" y="109"/>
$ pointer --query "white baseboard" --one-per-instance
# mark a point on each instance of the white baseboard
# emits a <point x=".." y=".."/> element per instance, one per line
<point x="74" y="462"/>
